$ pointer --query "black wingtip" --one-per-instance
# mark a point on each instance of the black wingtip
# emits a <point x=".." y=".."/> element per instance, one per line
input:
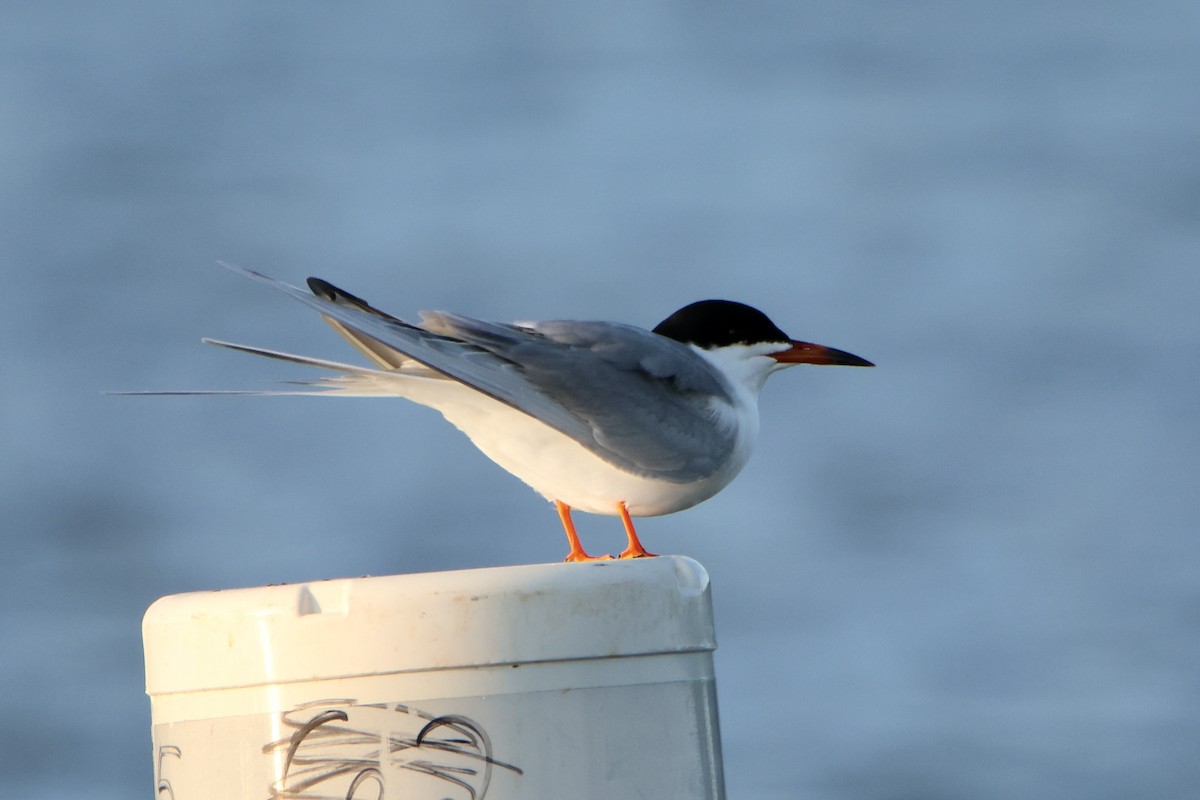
<point x="328" y="291"/>
<point x="323" y="289"/>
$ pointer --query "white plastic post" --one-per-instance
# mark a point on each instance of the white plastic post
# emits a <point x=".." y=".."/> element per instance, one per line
<point x="548" y="682"/>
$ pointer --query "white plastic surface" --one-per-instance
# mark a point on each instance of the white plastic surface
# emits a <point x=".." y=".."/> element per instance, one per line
<point x="547" y="681"/>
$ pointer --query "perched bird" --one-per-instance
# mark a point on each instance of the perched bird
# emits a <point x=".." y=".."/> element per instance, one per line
<point x="597" y="416"/>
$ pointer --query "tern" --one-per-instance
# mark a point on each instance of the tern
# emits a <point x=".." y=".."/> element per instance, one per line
<point x="600" y="417"/>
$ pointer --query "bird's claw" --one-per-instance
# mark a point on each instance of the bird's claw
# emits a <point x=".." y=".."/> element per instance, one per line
<point x="638" y="553"/>
<point x="582" y="557"/>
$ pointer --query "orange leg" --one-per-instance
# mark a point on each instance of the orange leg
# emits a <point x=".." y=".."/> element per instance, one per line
<point x="635" y="549"/>
<point x="577" y="553"/>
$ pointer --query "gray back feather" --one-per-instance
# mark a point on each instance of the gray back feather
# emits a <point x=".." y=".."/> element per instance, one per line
<point x="661" y="424"/>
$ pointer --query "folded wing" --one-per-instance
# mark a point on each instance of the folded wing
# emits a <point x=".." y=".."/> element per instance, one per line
<point x="643" y="402"/>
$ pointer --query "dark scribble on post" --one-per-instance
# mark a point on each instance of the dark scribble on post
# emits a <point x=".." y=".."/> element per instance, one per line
<point x="163" y="784"/>
<point x="338" y="747"/>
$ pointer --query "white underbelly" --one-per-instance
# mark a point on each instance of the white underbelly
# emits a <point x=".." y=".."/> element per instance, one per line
<point x="555" y="465"/>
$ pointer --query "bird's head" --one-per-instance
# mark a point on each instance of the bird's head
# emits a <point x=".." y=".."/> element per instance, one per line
<point x="742" y="340"/>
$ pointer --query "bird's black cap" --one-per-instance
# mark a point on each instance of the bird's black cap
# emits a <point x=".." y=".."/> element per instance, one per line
<point x="719" y="323"/>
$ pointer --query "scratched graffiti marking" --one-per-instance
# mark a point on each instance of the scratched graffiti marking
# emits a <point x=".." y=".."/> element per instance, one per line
<point x="162" y="784"/>
<point x="341" y="750"/>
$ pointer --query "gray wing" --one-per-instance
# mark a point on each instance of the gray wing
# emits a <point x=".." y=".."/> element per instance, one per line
<point x="646" y="400"/>
<point x="567" y="375"/>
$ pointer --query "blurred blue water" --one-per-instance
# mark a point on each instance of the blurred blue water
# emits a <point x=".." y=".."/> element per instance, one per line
<point x="970" y="572"/>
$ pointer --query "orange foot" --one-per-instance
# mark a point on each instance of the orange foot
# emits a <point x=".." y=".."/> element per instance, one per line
<point x="634" y="549"/>
<point x="580" y="556"/>
<point x="577" y="552"/>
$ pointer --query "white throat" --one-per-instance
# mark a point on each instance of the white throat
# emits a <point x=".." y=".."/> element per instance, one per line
<point x="745" y="366"/>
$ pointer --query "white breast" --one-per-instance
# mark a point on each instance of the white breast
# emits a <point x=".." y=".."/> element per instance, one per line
<point x="552" y="463"/>
<point x="555" y="465"/>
